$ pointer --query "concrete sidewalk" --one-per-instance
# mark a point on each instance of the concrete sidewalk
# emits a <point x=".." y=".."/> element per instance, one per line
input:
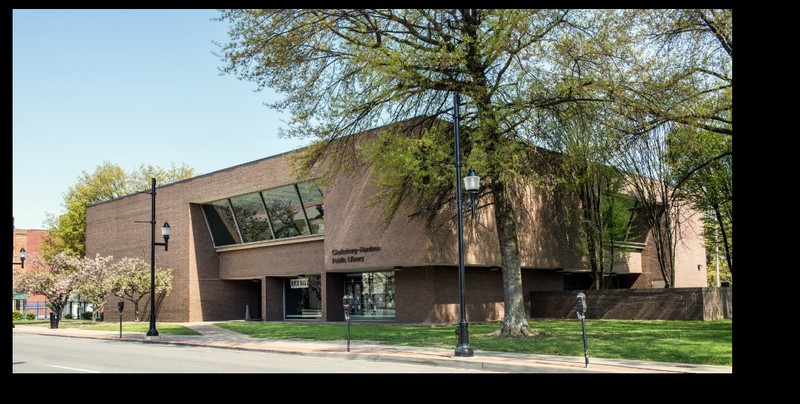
<point x="503" y="362"/>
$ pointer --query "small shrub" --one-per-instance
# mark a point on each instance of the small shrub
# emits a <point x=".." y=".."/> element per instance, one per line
<point x="17" y="315"/>
<point x="86" y="315"/>
<point x="30" y="316"/>
<point x="68" y="316"/>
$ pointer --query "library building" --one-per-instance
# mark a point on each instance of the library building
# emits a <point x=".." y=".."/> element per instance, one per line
<point x="251" y="242"/>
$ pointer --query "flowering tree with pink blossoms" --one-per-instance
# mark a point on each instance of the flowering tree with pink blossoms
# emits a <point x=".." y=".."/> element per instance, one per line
<point x="97" y="277"/>
<point x="56" y="279"/>
<point x="132" y="281"/>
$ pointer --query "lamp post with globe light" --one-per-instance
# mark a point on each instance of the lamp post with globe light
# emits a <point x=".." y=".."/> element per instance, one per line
<point x="471" y="184"/>
<point x="166" y="231"/>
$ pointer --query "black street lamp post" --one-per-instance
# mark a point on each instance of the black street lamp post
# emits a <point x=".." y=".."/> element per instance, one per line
<point x="471" y="183"/>
<point x="22" y="255"/>
<point x="165" y="232"/>
<point x="21" y="263"/>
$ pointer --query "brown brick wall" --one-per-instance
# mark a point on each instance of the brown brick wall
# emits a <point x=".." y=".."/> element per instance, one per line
<point x="350" y="224"/>
<point x="414" y="295"/>
<point x="221" y="300"/>
<point x="112" y="229"/>
<point x="274" y="299"/>
<point x="273" y="260"/>
<point x="689" y="252"/>
<point x="432" y="295"/>
<point x="211" y="284"/>
<point x="332" y="307"/>
<point x="637" y="304"/>
<point x="31" y="240"/>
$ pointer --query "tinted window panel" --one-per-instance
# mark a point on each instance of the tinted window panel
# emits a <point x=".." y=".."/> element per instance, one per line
<point x="251" y="217"/>
<point x="220" y="222"/>
<point x="285" y="212"/>
<point x="311" y="194"/>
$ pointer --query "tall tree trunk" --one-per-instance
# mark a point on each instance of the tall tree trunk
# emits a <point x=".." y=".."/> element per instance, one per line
<point x="660" y="223"/>
<point x="728" y="257"/>
<point x="591" y="236"/>
<point x="515" y="320"/>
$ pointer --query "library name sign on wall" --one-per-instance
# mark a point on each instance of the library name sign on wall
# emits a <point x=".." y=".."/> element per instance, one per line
<point x="346" y="255"/>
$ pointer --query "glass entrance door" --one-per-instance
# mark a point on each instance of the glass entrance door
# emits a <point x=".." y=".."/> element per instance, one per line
<point x="373" y="295"/>
<point x="303" y="297"/>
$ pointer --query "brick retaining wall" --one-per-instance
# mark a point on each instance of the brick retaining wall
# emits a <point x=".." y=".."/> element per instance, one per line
<point x="637" y="304"/>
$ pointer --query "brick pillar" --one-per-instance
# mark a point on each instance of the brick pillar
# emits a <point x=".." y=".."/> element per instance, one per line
<point x="273" y="299"/>
<point x="332" y="293"/>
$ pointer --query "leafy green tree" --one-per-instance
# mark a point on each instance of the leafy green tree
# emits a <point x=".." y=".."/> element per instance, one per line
<point x="685" y="84"/>
<point x="652" y="181"/>
<point x="55" y="278"/>
<point x="132" y="281"/>
<point x="705" y="162"/>
<point x="671" y="71"/>
<point x="96" y="279"/>
<point x="346" y="71"/>
<point x="67" y="232"/>
<point x="141" y="178"/>
<point x="691" y="54"/>
<point x="718" y="270"/>
<point x="590" y="185"/>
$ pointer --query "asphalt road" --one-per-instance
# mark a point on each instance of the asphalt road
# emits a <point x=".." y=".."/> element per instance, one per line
<point x="51" y="354"/>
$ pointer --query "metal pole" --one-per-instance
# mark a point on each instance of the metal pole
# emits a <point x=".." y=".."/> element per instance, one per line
<point x="13" y="245"/>
<point x="348" y="333"/>
<point x="462" y="349"/>
<point x="347" y="303"/>
<point x="585" y="346"/>
<point x="716" y="256"/>
<point x="581" y="311"/>
<point x="152" y="332"/>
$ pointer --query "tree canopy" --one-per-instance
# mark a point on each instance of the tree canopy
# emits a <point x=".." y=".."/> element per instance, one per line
<point x="132" y="281"/>
<point x="520" y="73"/>
<point x="96" y="279"/>
<point x="67" y="232"/>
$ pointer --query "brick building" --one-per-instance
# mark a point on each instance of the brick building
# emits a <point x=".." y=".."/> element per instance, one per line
<point x="253" y="241"/>
<point x="30" y="240"/>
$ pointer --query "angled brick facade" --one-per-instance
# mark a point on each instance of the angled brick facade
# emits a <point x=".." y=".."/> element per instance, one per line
<point x="224" y="283"/>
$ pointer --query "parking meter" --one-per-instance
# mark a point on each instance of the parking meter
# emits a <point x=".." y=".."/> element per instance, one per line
<point x="581" y="310"/>
<point x="347" y="303"/>
<point x="581" y="305"/>
<point x="120" y="306"/>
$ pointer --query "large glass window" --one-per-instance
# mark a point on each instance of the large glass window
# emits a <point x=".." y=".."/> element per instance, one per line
<point x="251" y="217"/>
<point x="220" y="222"/>
<point x="373" y="295"/>
<point x="303" y="297"/>
<point x="619" y="212"/>
<point x="311" y="195"/>
<point x="626" y="223"/>
<point x="287" y="211"/>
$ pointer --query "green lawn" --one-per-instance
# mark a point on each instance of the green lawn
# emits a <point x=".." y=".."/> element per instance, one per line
<point x="690" y="342"/>
<point x="142" y="326"/>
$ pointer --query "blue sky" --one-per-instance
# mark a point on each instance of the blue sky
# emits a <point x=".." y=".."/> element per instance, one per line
<point x="130" y="87"/>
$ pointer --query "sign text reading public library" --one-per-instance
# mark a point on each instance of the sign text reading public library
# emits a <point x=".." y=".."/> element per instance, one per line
<point x="352" y="254"/>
